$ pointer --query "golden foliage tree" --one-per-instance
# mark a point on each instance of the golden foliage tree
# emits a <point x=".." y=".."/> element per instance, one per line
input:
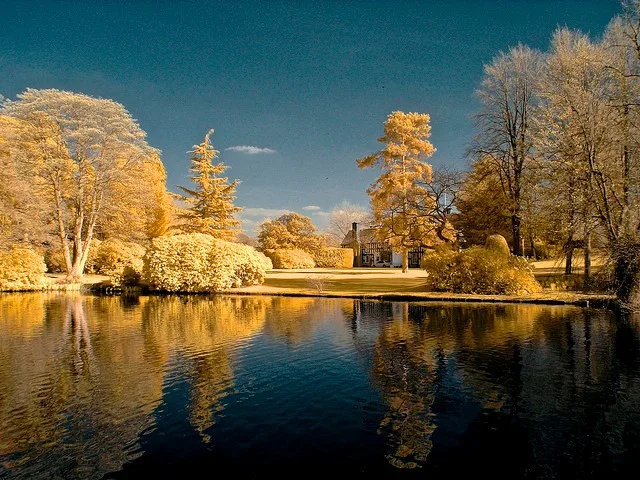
<point x="210" y="203"/>
<point x="290" y="231"/>
<point x="139" y="210"/>
<point x="80" y="151"/>
<point x="400" y="199"/>
<point x="23" y="213"/>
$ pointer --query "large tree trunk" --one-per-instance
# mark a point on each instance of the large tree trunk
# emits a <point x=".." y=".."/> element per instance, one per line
<point x="405" y="259"/>
<point x="568" y="266"/>
<point x="517" y="234"/>
<point x="625" y="252"/>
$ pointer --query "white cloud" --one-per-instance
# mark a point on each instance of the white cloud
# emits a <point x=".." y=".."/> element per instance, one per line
<point x="322" y="214"/>
<point x="313" y="208"/>
<point x="263" y="212"/>
<point x="250" y="150"/>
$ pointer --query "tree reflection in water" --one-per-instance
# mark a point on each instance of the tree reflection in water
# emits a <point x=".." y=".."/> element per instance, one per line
<point x="564" y="379"/>
<point x="89" y="384"/>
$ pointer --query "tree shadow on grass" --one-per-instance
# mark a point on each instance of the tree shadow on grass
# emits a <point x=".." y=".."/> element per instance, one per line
<point x="366" y="285"/>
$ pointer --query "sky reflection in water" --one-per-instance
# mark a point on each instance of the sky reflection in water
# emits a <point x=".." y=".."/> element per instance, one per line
<point x="94" y="387"/>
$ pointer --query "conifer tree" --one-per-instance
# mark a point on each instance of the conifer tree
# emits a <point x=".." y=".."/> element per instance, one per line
<point x="210" y="203"/>
<point x="401" y="201"/>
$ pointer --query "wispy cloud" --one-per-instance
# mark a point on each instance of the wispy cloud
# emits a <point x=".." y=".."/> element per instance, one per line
<point x="250" y="150"/>
<point x="312" y="208"/>
<point x="263" y="212"/>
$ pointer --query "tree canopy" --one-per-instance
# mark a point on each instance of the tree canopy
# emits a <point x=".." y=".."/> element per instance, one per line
<point x="83" y="156"/>
<point x="290" y="231"/>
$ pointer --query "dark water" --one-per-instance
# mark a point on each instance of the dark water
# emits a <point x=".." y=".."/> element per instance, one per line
<point x="292" y="387"/>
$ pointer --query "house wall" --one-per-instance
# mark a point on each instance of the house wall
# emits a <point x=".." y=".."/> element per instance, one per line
<point x="396" y="259"/>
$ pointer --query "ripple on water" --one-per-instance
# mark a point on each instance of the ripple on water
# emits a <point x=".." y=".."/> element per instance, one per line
<point x="92" y="385"/>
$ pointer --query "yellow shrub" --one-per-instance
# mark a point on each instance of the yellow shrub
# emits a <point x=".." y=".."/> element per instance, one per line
<point x="21" y="268"/>
<point x="479" y="270"/>
<point x="267" y="264"/>
<point x="249" y="265"/>
<point x="284" y="258"/>
<point x="333" y="257"/>
<point x="121" y="261"/>
<point x="200" y="263"/>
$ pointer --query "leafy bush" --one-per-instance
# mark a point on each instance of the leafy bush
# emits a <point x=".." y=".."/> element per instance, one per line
<point x="250" y="265"/>
<point x="200" y="263"/>
<point x="498" y="244"/>
<point x="267" y="264"/>
<point x="333" y="257"/>
<point x="479" y="270"/>
<point x="284" y="258"/>
<point x="121" y="261"/>
<point x="55" y="259"/>
<point x="21" y="268"/>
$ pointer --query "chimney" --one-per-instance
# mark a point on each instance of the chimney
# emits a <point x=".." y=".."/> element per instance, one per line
<point x="355" y="242"/>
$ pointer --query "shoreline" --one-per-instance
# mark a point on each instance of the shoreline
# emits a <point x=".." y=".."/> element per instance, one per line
<point x="369" y="284"/>
<point x="549" y="298"/>
<point x="577" y="299"/>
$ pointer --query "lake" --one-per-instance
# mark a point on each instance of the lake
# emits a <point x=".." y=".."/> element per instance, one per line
<point x="166" y="387"/>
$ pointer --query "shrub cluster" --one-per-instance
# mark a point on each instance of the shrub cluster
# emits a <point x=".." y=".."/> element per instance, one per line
<point x="479" y="270"/>
<point x="197" y="262"/>
<point x="333" y="257"/>
<point x="21" y="268"/>
<point x="121" y="261"/>
<point x="285" y="258"/>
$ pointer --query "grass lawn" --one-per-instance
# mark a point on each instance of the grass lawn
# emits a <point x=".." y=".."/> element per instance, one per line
<point x="391" y="281"/>
<point x="356" y="280"/>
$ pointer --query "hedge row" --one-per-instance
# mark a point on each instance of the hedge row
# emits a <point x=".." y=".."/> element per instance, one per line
<point x="284" y="258"/>
<point x="334" y="258"/>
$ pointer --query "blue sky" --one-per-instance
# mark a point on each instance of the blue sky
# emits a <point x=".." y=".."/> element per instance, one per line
<point x="311" y="82"/>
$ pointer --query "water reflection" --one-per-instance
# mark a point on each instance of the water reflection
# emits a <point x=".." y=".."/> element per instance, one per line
<point x="95" y="385"/>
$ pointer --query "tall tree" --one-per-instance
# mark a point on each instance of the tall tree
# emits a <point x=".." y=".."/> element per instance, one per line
<point x="81" y="148"/>
<point x="509" y="95"/>
<point x="583" y="128"/>
<point x="399" y="195"/>
<point x="210" y="203"/>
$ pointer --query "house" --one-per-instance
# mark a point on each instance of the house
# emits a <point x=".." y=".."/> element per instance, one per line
<point x="370" y="251"/>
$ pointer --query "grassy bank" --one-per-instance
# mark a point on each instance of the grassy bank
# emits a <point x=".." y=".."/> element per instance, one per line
<point x="392" y="284"/>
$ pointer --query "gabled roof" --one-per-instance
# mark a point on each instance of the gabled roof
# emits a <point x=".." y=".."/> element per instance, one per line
<point x="367" y="235"/>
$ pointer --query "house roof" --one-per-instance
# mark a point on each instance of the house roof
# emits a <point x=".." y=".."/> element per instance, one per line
<point x="367" y="235"/>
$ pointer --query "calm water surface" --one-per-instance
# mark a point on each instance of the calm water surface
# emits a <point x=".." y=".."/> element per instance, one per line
<point x="165" y="387"/>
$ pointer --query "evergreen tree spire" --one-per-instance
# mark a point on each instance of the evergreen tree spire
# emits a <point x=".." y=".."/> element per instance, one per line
<point x="210" y="202"/>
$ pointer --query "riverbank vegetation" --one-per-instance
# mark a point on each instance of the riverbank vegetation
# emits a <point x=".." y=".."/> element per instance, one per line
<point x="555" y="169"/>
